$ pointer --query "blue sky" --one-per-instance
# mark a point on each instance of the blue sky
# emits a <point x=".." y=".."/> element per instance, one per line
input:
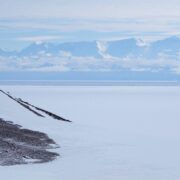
<point x="26" y="21"/>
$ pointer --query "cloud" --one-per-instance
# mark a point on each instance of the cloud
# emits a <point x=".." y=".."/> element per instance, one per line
<point x="144" y="27"/>
<point x="39" y="38"/>
<point x="73" y="20"/>
<point x="89" y="9"/>
<point x="44" y="63"/>
<point x="101" y="25"/>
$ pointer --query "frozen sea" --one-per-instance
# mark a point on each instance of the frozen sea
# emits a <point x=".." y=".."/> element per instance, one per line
<point x="118" y="132"/>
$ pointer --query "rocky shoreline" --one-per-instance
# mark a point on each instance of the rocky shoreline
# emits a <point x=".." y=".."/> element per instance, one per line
<point x="24" y="146"/>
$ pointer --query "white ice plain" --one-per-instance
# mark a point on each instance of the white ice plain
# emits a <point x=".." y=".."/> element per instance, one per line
<point x="118" y="133"/>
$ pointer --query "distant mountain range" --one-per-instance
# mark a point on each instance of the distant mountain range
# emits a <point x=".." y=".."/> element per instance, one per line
<point x="127" y="59"/>
<point x="167" y="48"/>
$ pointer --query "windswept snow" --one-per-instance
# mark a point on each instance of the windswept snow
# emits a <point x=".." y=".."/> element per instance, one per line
<point x="128" y="133"/>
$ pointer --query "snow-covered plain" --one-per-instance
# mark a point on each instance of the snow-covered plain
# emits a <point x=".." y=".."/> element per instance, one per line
<point x="118" y="133"/>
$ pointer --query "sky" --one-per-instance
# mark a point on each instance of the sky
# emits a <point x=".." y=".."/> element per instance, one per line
<point x="26" y="21"/>
<point x="89" y="9"/>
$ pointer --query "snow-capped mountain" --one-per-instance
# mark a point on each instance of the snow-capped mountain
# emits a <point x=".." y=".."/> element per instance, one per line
<point x="124" y="48"/>
<point x="36" y="48"/>
<point x="82" y="49"/>
<point x="169" y="47"/>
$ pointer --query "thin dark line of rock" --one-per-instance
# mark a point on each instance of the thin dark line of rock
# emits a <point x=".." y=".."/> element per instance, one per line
<point x="45" y="111"/>
<point x="28" y="106"/>
<point x="25" y="106"/>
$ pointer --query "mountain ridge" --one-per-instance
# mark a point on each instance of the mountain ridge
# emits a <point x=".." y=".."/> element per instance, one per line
<point x="130" y="47"/>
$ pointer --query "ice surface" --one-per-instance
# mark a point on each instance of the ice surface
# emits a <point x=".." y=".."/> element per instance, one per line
<point x="127" y="133"/>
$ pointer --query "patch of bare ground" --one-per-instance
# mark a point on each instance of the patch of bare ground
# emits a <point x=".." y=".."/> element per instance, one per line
<point x="24" y="146"/>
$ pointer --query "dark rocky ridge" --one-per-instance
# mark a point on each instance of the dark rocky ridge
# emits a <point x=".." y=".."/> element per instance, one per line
<point x="24" y="146"/>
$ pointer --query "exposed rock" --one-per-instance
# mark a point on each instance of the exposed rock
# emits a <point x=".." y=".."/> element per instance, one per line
<point x="23" y="146"/>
